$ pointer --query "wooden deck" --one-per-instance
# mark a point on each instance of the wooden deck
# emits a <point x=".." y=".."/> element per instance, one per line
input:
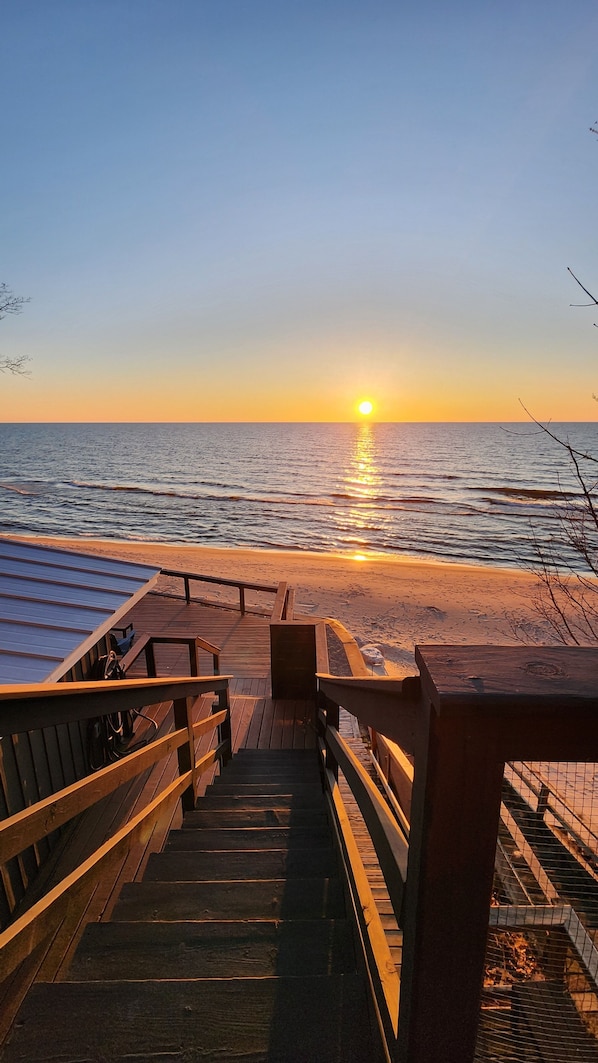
<point x="244" y="641"/>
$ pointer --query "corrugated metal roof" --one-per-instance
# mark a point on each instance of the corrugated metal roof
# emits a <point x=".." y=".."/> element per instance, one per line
<point x="56" y="604"/>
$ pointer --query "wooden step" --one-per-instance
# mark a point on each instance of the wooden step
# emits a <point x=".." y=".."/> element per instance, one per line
<point x="135" y="951"/>
<point x="289" y="789"/>
<point x="250" y="838"/>
<point x="285" y="778"/>
<point x="262" y="766"/>
<point x="277" y="754"/>
<point x="189" y="866"/>
<point x="238" y="802"/>
<point x="297" y="898"/>
<point x="262" y="1020"/>
<point x="215" y="819"/>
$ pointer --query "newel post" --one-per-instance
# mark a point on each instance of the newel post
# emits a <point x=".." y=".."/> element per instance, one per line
<point x="454" y="821"/>
<point x="480" y="706"/>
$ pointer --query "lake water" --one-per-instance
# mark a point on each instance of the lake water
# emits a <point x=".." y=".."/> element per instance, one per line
<point x="474" y="493"/>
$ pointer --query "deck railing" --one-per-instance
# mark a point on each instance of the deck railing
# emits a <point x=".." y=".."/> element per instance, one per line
<point x="470" y="712"/>
<point x="146" y="645"/>
<point x="283" y="595"/>
<point x="28" y="708"/>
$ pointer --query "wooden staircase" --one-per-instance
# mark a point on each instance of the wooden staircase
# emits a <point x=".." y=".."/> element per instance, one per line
<point x="237" y="945"/>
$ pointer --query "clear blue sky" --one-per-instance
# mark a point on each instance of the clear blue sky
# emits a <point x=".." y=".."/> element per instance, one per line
<point x="269" y="209"/>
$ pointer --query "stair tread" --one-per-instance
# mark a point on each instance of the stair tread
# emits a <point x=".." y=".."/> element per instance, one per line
<point x="268" y="817"/>
<point x="258" y="774"/>
<point x="259" y="1020"/>
<point x="300" y="898"/>
<point x="222" y="949"/>
<point x="299" y="789"/>
<point x="287" y="754"/>
<point x="180" y="865"/>
<point x="239" y="802"/>
<point x="250" y="838"/>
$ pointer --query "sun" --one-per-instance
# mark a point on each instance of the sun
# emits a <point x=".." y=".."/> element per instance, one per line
<point x="365" y="407"/>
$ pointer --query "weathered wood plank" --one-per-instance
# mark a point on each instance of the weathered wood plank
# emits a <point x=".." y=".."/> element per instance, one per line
<point x="177" y="865"/>
<point x="260" y="1019"/>
<point x="251" y="838"/>
<point x="249" y="948"/>
<point x="296" y="898"/>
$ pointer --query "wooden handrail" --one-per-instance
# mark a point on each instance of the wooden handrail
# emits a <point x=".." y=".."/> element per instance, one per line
<point x="352" y="652"/>
<point x="369" y="922"/>
<point x="469" y="711"/>
<point x="388" y="840"/>
<point x="43" y="918"/>
<point x="241" y="585"/>
<point x="31" y="707"/>
<point x="145" y="644"/>
<point x="35" y="822"/>
<point x="278" y="609"/>
<point x="39" y="820"/>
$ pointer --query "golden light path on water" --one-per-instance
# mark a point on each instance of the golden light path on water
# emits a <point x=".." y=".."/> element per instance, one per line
<point x="362" y="483"/>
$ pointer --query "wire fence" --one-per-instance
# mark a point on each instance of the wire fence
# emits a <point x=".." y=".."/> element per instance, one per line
<point x="540" y="993"/>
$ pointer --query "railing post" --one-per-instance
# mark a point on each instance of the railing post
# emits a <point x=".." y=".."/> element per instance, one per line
<point x="293" y="660"/>
<point x="150" y="659"/>
<point x="193" y="657"/>
<point x="543" y="800"/>
<point x="187" y="582"/>
<point x="186" y="753"/>
<point x="224" y="730"/>
<point x="452" y="844"/>
<point x="332" y="711"/>
<point x="242" y="599"/>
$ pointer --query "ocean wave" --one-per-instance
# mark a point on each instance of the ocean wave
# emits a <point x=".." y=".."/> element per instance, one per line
<point x="529" y="494"/>
<point x="453" y="492"/>
<point x="17" y="490"/>
<point x="201" y="496"/>
<point x="378" y="501"/>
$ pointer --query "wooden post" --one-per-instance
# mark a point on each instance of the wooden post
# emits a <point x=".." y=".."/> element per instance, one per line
<point x="293" y="659"/>
<point x="454" y="823"/>
<point x="224" y="730"/>
<point x="242" y="599"/>
<point x="480" y="707"/>
<point x="150" y="659"/>
<point x="185" y="753"/>
<point x="332" y="720"/>
<point x="193" y="659"/>
<point x="543" y="800"/>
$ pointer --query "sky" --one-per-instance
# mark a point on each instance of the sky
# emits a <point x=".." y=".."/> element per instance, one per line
<point x="271" y="210"/>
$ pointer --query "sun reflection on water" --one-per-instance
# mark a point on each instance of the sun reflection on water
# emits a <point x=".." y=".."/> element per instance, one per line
<point x="361" y="485"/>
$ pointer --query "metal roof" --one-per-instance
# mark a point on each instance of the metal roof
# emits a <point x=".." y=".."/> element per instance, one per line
<point x="56" y="604"/>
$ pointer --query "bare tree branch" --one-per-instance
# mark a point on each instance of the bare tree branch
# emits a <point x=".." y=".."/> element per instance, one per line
<point x="12" y="304"/>
<point x="567" y="566"/>
<point x="9" y="302"/>
<point x="594" y="301"/>
<point x="17" y="366"/>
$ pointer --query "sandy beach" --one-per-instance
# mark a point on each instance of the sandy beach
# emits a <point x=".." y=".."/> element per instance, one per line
<point x="393" y="604"/>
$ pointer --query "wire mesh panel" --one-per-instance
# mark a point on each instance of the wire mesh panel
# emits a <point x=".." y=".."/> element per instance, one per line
<point x="540" y="994"/>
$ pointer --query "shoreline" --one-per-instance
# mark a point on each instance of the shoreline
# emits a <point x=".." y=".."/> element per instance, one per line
<point x="393" y="603"/>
